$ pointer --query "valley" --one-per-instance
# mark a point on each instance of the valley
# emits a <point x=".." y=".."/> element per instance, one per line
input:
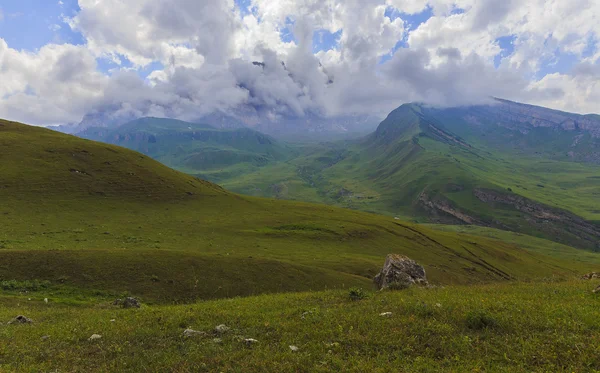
<point x="487" y="166"/>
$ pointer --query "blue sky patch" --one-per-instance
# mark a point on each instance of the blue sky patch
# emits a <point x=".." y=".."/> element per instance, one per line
<point x="507" y="44"/>
<point x="44" y="20"/>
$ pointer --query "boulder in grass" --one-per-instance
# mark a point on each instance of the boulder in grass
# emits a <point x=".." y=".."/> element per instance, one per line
<point x="21" y="320"/>
<point x="128" y="302"/>
<point x="193" y="333"/>
<point x="590" y="276"/>
<point x="400" y="272"/>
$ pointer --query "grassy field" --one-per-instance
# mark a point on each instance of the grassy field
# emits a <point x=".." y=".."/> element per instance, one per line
<point x="535" y="327"/>
<point x="92" y="215"/>
<point x="534" y="244"/>
<point x="83" y="223"/>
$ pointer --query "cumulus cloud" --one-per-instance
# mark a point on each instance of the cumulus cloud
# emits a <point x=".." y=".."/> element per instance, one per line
<point x="203" y="53"/>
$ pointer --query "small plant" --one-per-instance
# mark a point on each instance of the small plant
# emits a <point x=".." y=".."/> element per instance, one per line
<point x="478" y="320"/>
<point x="357" y="294"/>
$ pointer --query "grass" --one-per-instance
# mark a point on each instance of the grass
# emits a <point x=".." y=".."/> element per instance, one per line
<point x="84" y="223"/>
<point x="533" y="244"/>
<point x="121" y="220"/>
<point x="527" y="327"/>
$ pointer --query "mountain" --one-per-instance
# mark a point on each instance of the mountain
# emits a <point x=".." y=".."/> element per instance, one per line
<point x="197" y="149"/>
<point x="524" y="130"/>
<point x="510" y="166"/>
<point x="288" y="127"/>
<point x="101" y="218"/>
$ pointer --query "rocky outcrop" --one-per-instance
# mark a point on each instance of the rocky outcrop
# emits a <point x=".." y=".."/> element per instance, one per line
<point x="400" y="272"/>
<point x="590" y="276"/>
<point x="21" y="320"/>
<point x="560" y="225"/>
<point x="442" y="211"/>
<point x="128" y="302"/>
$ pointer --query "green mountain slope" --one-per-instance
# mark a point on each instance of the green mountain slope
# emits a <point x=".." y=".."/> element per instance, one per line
<point x="197" y="149"/>
<point x="416" y="166"/>
<point x="88" y="215"/>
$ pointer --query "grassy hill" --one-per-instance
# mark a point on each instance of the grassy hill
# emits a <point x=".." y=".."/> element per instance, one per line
<point x="197" y="149"/>
<point x="85" y="222"/>
<point x="88" y="215"/>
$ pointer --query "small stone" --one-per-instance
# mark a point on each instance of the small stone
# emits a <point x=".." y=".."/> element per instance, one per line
<point x="217" y="340"/>
<point x="45" y="337"/>
<point x="113" y="320"/>
<point x="193" y="333"/>
<point x="294" y="348"/>
<point x="438" y="305"/>
<point x="46" y="300"/>
<point x="222" y="329"/>
<point x="21" y="320"/>
<point x="94" y="337"/>
<point x="250" y="341"/>
<point x="386" y="314"/>
<point x="596" y="290"/>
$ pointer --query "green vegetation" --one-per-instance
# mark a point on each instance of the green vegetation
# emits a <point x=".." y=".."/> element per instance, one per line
<point x="197" y="149"/>
<point x="415" y="169"/>
<point x="536" y="327"/>
<point x="84" y="223"/>
<point x="106" y="218"/>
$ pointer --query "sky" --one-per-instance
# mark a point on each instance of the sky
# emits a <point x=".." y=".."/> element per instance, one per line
<point x="60" y="60"/>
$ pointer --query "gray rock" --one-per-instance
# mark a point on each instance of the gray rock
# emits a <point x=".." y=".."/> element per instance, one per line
<point x="294" y="348"/>
<point x="129" y="302"/>
<point x="386" y="314"/>
<point x="193" y="333"/>
<point x="94" y="337"/>
<point x="222" y="329"/>
<point x="400" y="272"/>
<point x="21" y="320"/>
<point x="250" y="341"/>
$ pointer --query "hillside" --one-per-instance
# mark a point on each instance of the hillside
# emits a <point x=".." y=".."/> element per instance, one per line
<point x="197" y="149"/>
<point x="426" y="165"/>
<point x="87" y="215"/>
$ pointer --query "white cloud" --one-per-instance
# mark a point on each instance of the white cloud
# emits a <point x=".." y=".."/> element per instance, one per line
<point x="206" y="49"/>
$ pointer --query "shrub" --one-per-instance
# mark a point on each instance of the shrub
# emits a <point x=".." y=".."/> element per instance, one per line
<point x="478" y="320"/>
<point x="357" y="294"/>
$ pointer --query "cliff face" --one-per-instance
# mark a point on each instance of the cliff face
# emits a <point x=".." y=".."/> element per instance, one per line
<point x="510" y="113"/>
<point x="560" y="225"/>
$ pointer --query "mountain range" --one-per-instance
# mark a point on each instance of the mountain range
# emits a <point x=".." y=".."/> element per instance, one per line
<point x="505" y="165"/>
